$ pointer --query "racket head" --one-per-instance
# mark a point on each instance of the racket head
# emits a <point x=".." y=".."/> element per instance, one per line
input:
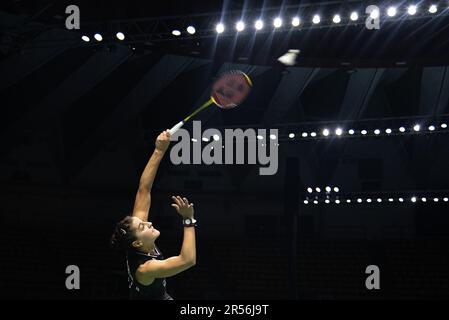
<point x="231" y="89"/>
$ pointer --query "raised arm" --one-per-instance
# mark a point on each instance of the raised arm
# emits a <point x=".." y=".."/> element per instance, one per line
<point x="186" y="259"/>
<point x="142" y="202"/>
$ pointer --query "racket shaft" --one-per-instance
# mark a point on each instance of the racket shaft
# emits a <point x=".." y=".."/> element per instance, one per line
<point x="204" y="106"/>
<point x="181" y="123"/>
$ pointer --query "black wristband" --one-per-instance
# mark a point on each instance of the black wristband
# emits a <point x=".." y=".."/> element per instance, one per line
<point x="189" y="222"/>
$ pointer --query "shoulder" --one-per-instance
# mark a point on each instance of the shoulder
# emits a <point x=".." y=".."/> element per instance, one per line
<point x="143" y="276"/>
<point x="169" y="267"/>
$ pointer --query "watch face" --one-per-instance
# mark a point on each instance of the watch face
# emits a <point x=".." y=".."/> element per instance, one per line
<point x="188" y="221"/>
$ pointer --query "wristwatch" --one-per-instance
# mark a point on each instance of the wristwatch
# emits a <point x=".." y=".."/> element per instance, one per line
<point x="189" y="222"/>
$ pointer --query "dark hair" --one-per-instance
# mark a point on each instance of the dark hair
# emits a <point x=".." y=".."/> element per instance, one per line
<point x="123" y="236"/>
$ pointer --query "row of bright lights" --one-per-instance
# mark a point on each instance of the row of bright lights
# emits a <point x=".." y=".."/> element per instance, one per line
<point x="277" y="22"/>
<point x="326" y="132"/>
<point x="318" y="189"/>
<point x="411" y="10"/>
<point x="99" y="37"/>
<point x="339" y="131"/>
<point x="378" y="200"/>
<point x="121" y="36"/>
<point x="296" y="21"/>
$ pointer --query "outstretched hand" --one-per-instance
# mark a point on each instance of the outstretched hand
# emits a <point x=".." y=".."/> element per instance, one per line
<point x="163" y="141"/>
<point x="183" y="207"/>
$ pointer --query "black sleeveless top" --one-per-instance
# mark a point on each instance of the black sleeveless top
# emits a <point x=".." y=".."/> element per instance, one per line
<point x="154" y="291"/>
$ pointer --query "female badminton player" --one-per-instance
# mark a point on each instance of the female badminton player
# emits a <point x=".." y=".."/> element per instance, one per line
<point x="147" y="268"/>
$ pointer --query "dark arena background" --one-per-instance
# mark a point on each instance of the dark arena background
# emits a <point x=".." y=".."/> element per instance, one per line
<point x="360" y="196"/>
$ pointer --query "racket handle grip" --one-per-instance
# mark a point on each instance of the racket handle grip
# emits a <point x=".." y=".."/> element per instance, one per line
<point x="176" y="128"/>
